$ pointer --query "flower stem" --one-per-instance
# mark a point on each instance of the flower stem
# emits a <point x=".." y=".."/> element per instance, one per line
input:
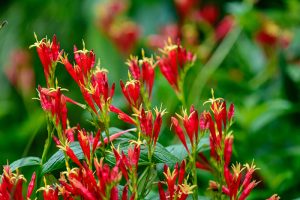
<point x="194" y="172"/>
<point x="48" y="141"/>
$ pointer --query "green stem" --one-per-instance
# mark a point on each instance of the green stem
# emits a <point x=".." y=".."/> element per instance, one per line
<point x="48" y="141"/>
<point x="194" y="172"/>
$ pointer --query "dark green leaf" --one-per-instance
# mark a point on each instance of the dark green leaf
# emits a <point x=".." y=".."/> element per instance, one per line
<point x="23" y="162"/>
<point x="58" y="159"/>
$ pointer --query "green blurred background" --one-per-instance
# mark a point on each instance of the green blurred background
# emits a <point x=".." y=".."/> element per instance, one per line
<point x="256" y="66"/>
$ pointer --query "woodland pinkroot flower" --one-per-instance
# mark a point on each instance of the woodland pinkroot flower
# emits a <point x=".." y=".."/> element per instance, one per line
<point x="202" y="162"/>
<point x="168" y="31"/>
<point x="91" y="185"/>
<point x="85" y="145"/>
<point x="54" y="102"/>
<point x="11" y="185"/>
<point x="109" y="11"/>
<point x="228" y="149"/>
<point x="125" y="35"/>
<point x="173" y="62"/>
<point x="270" y="34"/>
<point x="69" y="133"/>
<point x="49" y="54"/>
<point x="184" y="7"/>
<point x="143" y="71"/>
<point x="274" y="197"/>
<point x="121" y="115"/>
<point x="100" y="91"/>
<point x="131" y="91"/>
<point x="85" y="61"/>
<point x="49" y="192"/>
<point x="92" y="81"/>
<point x="209" y="13"/>
<point x="19" y="71"/>
<point x="128" y="165"/>
<point x="177" y="186"/>
<point x="191" y="126"/>
<point x="150" y="125"/>
<point x="237" y="186"/>
<point x="216" y="125"/>
<point x="224" y="27"/>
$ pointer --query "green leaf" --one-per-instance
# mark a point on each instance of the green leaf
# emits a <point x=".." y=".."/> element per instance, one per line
<point x="23" y="162"/>
<point x="181" y="153"/>
<point x="162" y="155"/>
<point x="58" y="159"/>
<point x="147" y="177"/>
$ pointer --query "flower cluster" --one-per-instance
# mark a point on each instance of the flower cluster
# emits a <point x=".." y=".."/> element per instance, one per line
<point x="125" y="165"/>
<point x="11" y="186"/>
<point x="178" y="188"/>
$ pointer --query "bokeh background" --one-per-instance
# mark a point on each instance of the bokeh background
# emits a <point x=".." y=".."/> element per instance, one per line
<point x="248" y="51"/>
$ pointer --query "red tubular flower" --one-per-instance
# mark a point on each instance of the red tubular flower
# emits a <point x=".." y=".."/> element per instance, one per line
<point x="134" y="68"/>
<point x="161" y="191"/>
<point x="96" y="140"/>
<point x="69" y="133"/>
<point x="106" y="176"/>
<point x="150" y="127"/>
<point x="84" y="143"/>
<point x="11" y="185"/>
<point x="85" y="60"/>
<point x="202" y="162"/>
<point x="125" y="193"/>
<point x="49" y="55"/>
<point x="142" y="72"/>
<point x="134" y="156"/>
<point x="230" y="112"/>
<point x="121" y="115"/>
<point x="86" y="184"/>
<point x="50" y="193"/>
<point x="191" y="126"/>
<point x="184" y="7"/>
<point x="224" y="27"/>
<point x="179" y="132"/>
<point x="228" y="149"/>
<point x="270" y="35"/>
<point x="92" y="83"/>
<point x="31" y="185"/>
<point x="209" y="13"/>
<point x="54" y="102"/>
<point x="236" y="188"/>
<point x="120" y="163"/>
<point x="274" y="197"/>
<point x="247" y="190"/>
<point x="175" y="183"/>
<point x="174" y="59"/>
<point x="248" y="176"/>
<point x="101" y="93"/>
<point x="217" y="127"/>
<point x="128" y="164"/>
<point x="148" y="74"/>
<point x="131" y="91"/>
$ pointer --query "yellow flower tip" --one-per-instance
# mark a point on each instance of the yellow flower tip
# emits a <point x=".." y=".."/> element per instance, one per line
<point x="131" y="82"/>
<point x="187" y="189"/>
<point x="136" y="142"/>
<point x="160" y="111"/>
